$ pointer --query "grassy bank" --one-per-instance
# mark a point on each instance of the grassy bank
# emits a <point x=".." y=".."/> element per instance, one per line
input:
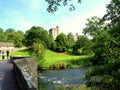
<point x="22" y="53"/>
<point x="53" y="58"/>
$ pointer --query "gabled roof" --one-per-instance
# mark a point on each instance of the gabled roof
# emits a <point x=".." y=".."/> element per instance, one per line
<point x="6" y="44"/>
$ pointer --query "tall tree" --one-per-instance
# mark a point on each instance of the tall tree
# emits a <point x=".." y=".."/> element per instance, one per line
<point x="3" y="36"/>
<point x="37" y="34"/>
<point x="109" y="51"/>
<point x="62" y="42"/>
<point x="82" y="46"/>
<point x="10" y="30"/>
<point x="96" y="29"/>
<point x="94" y="26"/>
<point x="19" y="38"/>
<point x="71" y="40"/>
<point x="1" y="30"/>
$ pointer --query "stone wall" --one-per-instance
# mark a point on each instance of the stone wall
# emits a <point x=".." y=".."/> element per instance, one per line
<point x="25" y="70"/>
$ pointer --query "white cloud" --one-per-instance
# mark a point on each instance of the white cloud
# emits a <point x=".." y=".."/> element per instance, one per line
<point x="25" y="25"/>
<point x="77" y="23"/>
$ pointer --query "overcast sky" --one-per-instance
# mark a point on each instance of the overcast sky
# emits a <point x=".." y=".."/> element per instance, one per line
<point x="23" y="14"/>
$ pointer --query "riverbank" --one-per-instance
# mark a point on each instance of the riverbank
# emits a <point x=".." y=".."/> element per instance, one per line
<point x="56" y="61"/>
<point x="53" y="60"/>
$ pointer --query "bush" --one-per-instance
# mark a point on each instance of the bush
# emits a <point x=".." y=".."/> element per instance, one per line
<point x="39" y="52"/>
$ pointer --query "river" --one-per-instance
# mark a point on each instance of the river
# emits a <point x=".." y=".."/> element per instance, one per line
<point x="53" y="78"/>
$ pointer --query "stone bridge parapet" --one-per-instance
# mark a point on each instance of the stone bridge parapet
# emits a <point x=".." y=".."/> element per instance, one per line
<point x="25" y="70"/>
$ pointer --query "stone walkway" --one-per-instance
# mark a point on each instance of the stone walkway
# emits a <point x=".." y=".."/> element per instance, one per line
<point x="7" y="77"/>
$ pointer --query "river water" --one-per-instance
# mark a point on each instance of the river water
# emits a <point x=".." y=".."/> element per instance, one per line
<point x="53" y="78"/>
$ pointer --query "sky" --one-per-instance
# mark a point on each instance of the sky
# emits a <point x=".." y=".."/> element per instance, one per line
<point x="23" y="14"/>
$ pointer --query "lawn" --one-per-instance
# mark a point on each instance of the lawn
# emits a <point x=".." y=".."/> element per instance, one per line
<point x="22" y="53"/>
<point x="53" y="57"/>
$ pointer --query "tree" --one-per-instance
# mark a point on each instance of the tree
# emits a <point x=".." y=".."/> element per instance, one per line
<point x="9" y="30"/>
<point x="19" y="39"/>
<point x="61" y="42"/>
<point x="3" y="36"/>
<point x="37" y="34"/>
<point x="71" y="40"/>
<point x="54" y="4"/>
<point x="109" y="51"/>
<point x="82" y="46"/>
<point x="38" y="51"/>
<point x="1" y="30"/>
<point x="94" y="26"/>
<point x="15" y="36"/>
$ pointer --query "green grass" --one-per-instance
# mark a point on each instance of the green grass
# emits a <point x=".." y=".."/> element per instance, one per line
<point x="53" y="58"/>
<point x="22" y="53"/>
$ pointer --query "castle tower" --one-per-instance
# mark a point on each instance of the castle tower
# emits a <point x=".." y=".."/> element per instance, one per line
<point x="54" y="32"/>
<point x="76" y="37"/>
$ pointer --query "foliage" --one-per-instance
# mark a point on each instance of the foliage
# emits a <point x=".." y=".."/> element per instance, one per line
<point x="1" y="30"/>
<point x="107" y="50"/>
<point x="71" y="40"/>
<point x="9" y="30"/>
<point x="82" y="46"/>
<point x="10" y="35"/>
<point x="61" y="42"/>
<point x="3" y="37"/>
<point x="81" y="87"/>
<point x="54" y="4"/>
<point x="94" y="26"/>
<point x="38" y="34"/>
<point x="38" y="50"/>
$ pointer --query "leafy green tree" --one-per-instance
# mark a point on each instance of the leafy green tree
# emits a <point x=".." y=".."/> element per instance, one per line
<point x="15" y="36"/>
<point x="1" y="30"/>
<point x="82" y="46"/>
<point x="9" y="30"/>
<point x="96" y="29"/>
<point x="108" y="72"/>
<point x="71" y="40"/>
<point x="94" y="26"/>
<point x="38" y="34"/>
<point x="3" y="36"/>
<point x="61" y="42"/>
<point x="19" y="39"/>
<point x="53" y="45"/>
<point x="38" y="51"/>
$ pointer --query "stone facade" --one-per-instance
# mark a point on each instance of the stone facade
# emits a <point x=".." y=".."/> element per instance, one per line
<point x="6" y="46"/>
<point x="25" y="70"/>
<point x="54" y="32"/>
<point x="76" y="37"/>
